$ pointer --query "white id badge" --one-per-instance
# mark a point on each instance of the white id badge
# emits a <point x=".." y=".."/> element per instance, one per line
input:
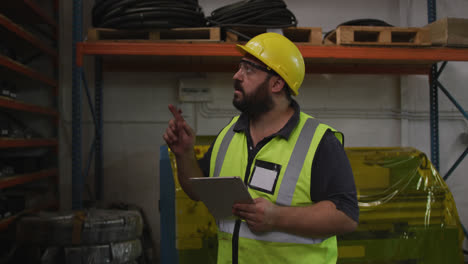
<point x="264" y="176"/>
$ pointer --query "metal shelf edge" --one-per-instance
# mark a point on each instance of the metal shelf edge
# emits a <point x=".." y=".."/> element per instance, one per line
<point x="382" y="55"/>
<point x="27" y="36"/>
<point x="36" y="9"/>
<point x="17" y="105"/>
<point x="22" y="143"/>
<point x="25" y="178"/>
<point x="20" y="68"/>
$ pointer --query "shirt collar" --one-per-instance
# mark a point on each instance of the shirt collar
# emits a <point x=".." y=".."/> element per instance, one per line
<point x="242" y="124"/>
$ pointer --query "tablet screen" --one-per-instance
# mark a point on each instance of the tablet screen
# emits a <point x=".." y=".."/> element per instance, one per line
<point x="219" y="194"/>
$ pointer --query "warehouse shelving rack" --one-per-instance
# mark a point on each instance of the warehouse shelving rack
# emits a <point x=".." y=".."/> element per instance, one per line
<point x="205" y="57"/>
<point x="14" y="14"/>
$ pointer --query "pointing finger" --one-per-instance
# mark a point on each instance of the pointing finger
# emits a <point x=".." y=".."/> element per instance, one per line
<point x="177" y="113"/>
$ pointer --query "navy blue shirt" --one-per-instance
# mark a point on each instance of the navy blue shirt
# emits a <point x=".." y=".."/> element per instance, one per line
<point x="331" y="177"/>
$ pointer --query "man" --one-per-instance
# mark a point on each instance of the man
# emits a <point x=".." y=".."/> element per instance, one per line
<point x="294" y="166"/>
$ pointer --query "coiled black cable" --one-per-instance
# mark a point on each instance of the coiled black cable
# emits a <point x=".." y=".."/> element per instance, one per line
<point x="145" y="14"/>
<point x="253" y="13"/>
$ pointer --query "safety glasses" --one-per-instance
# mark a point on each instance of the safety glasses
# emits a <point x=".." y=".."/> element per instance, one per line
<point x="248" y="67"/>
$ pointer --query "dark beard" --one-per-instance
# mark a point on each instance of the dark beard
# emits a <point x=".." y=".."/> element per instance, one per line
<point x="254" y="105"/>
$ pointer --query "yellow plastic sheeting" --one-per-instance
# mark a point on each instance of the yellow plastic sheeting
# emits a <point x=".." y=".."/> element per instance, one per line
<point x="400" y="183"/>
<point x="194" y="223"/>
<point x="407" y="213"/>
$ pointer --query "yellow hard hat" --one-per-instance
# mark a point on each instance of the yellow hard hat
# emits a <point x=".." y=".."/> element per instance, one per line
<point x="280" y="54"/>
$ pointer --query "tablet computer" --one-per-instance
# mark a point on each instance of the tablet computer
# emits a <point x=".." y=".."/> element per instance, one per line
<point x="219" y="194"/>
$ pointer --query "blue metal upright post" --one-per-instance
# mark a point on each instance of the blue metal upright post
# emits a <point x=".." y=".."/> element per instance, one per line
<point x="434" y="101"/>
<point x="98" y="105"/>
<point x="434" y="115"/>
<point x="167" y="209"/>
<point x="433" y="96"/>
<point x="77" y="178"/>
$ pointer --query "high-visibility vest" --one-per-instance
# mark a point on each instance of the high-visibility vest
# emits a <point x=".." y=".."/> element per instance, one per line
<point x="295" y="156"/>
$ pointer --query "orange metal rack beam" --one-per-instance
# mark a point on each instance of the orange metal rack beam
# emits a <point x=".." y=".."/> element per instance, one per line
<point x="12" y="104"/>
<point x="371" y="54"/>
<point x="26" y="71"/>
<point x="19" y="31"/>
<point x="25" y="178"/>
<point x="24" y="143"/>
<point x="319" y="59"/>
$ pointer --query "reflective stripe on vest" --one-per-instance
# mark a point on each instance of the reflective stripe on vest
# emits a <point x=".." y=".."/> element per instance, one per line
<point x="286" y="191"/>
<point x="227" y="226"/>
<point x="222" y="150"/>
<point x="295" y="163"/>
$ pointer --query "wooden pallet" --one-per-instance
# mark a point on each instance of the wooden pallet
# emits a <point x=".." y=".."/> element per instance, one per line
<point x="450" y="32"/>
<point x="379" y="36"/>
<point x="207" y="34"/>
<point x="302" y="35"/>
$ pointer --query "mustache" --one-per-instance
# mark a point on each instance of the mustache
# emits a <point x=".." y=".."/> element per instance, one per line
<point x="238" y="86"/>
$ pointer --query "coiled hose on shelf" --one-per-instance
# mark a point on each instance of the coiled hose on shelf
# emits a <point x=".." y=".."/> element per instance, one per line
<point x="252" y="14"/>
<point x="145" y="14"/>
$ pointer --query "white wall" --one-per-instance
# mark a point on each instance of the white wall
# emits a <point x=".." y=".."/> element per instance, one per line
<point x="371" y="110"/>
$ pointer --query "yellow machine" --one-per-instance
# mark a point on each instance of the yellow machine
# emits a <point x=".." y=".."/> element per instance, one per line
<point x="407" y="213"/>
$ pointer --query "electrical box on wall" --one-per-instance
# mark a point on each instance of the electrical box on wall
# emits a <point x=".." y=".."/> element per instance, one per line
<point x="194" y="90"/>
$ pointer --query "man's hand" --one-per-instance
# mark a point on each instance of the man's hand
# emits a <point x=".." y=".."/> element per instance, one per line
<point x="259" y="216"/>
<point x="179" y="136"/>
<point x="319" y="220"/>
